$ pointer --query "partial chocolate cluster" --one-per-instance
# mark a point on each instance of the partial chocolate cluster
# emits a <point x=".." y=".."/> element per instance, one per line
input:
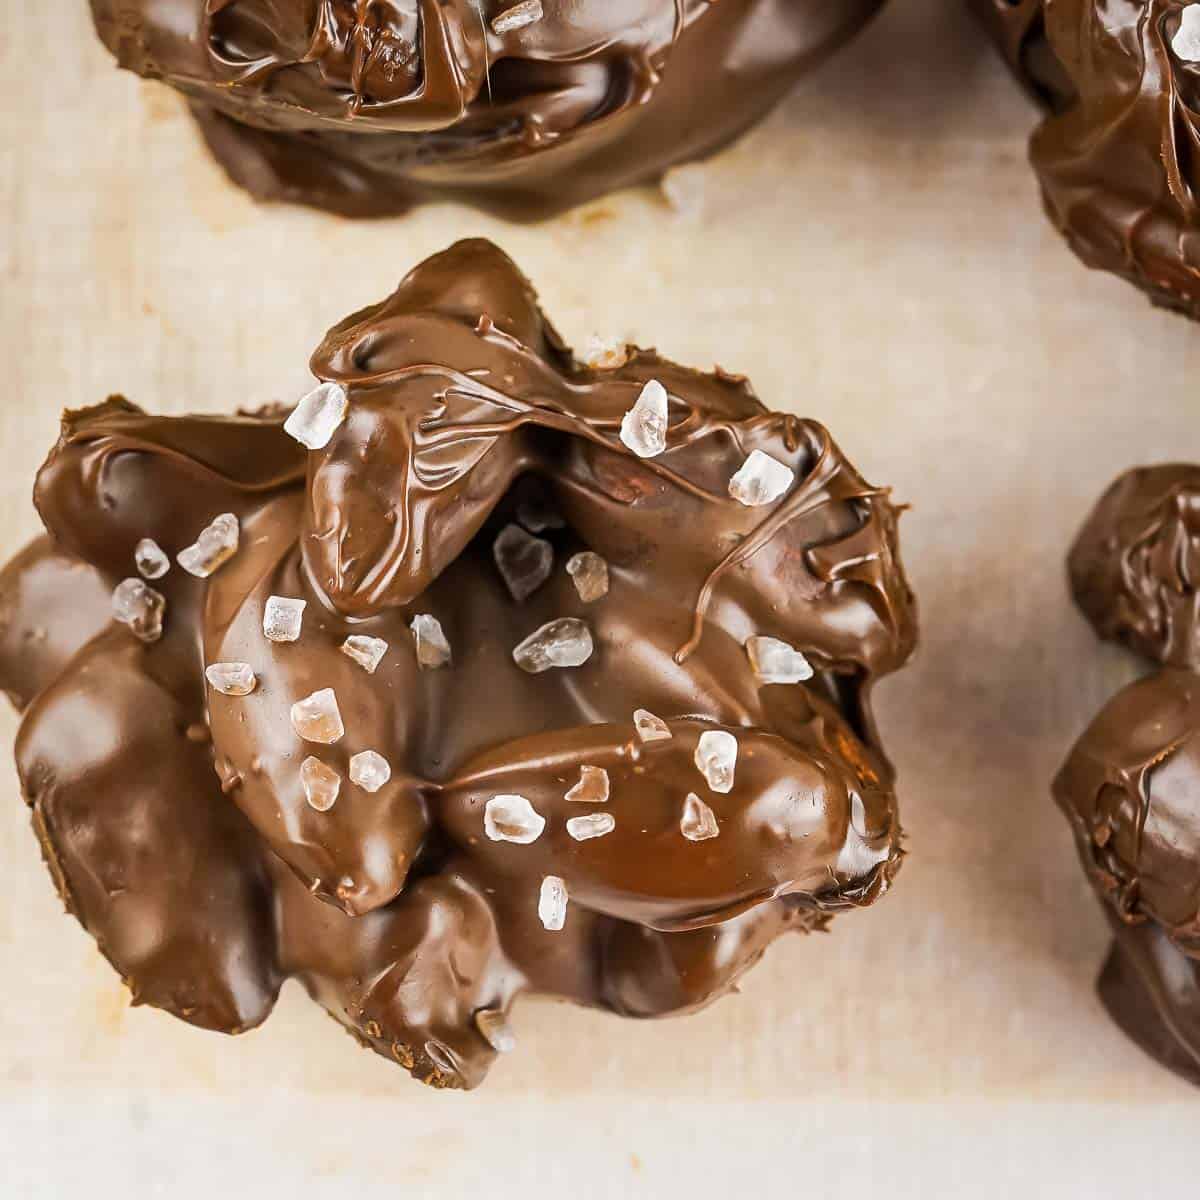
<point x="487" y="669"/>
<point x="525" y="107"/>
<point x="1131" y="786"/>
<point x="1116" y="155"/>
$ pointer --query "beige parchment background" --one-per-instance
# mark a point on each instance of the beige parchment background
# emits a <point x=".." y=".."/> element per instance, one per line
<point x="874" y="257"/>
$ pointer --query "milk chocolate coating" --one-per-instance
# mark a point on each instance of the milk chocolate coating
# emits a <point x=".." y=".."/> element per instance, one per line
<point x="1135" y="567"/>
<point x="1131" y="786"/>
<point x="174" y="820"/>
<point x="367" y="109"/>
<point x="1117" y="155"/>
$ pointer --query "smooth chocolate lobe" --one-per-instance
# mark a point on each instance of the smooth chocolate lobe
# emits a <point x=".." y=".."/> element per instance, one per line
<point x="367" y="109"/>
<point x="401" y="797"/>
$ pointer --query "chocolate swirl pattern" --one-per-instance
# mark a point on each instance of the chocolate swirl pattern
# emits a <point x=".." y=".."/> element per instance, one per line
<point x="1117" y="155"/>
<point x="1131" y="786"/>
<point x="421" y="833"/>
<point x="366" y="107"/>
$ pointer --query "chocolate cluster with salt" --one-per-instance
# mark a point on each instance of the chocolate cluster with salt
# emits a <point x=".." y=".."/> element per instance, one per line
<point x="485" y="670"/>
<point x="1116" y="153"/>
<point x="525" y="107"/>
<point x="1131" y="786"/>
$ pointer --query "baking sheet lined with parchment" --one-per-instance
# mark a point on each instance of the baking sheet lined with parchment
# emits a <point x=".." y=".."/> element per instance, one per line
<point x="873" y="256"/>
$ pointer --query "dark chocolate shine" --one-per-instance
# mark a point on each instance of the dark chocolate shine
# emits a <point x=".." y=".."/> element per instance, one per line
<point x="368" y="108"/>
<point x="1131" y="785"/>
<point x="1116" y="156"/>
<point x="173" y="817"/>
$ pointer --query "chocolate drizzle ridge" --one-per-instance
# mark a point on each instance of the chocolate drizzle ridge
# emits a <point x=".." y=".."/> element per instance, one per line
<point x="174" y="819"/>
<point x="1131" y="785"/>
<point x="367" y="109"/>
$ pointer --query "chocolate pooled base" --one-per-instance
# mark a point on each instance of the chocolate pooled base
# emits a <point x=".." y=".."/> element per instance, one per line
<point x="1116" y="156"/>
<point x="1131" y="785"/>
<point x="175" y="819"/>
<point x="367" y="109"/>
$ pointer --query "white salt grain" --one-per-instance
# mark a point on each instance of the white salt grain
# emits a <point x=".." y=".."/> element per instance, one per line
<point x="316" y="718"/>
<point x="369" y="770"/>
<point x="592" y="788"/>
<point x="216" y="545"/>
<point x="589" y="573"/>
<point x="282" y="618"/>
<point x="433" y="650"/>
<point x="644" y="426"/>
<point x="316" y="418"/>
<point x="321" y="784"/>
<point x="760" y="480"/>
<point x="716" y="757"/>
<point x="140" y="607"/>
<point x="698" y="822"/>
<point x="512" y="819"/>
<point x="150" y="559"/>
<point x="774" y="661"/>
<point x="1186" y="42"/>
<point x="527" y="12"/>
<point x="649" y="727"/>
<point x="552" y="903"/>
<point x="368" y="652"/>
<point x="594" y="825"/>
<point x="566" y="642"/>
<point x="231" y="678"/>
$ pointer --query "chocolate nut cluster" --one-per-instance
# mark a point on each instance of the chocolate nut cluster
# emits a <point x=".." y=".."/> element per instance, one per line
<point x="487" y="669"/>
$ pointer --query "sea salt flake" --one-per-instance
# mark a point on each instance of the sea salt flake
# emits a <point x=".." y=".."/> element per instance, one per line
<point x="760" y="480"/>
<point x="716" y="756"/>
<point x="537" y="514"/>
<point x="649" y="727"/>
<point x="527" y="12"/>
<point x="589" y="573"/>
<point x="512" y="819"/>
<point x="593" y="825"/>
<point x="496" y="1030"/>
<point x="368" y="652"/>
<point x="524" y="561"/>
<point x="1186" y="42"/>
<point x="433" y="650"/>
<point x="592" y="787"/>
<point x="216" y="545"/>
<point x="605" y="354"/>
<point x="552" y="903"/>
<point x="316" y="418"/>
<point x="566" y="642"/>
<point x="774" y="661"/>
<point x="150" y="559"/>
<point x="644" y="426"/>
<point x="282" y="618"/>
<point x="316" y="718"/>
<point x="231" y="678"/>
<point x="369" y="770"/>
<point x="321" y="783"/>
<point x="140" y="607"/>
<point x="698" y="822"/>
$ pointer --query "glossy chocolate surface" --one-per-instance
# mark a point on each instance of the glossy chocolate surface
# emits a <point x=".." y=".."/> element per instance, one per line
<point x="1131" y="786"/>
<point x="368" y="108"/>
<point x="174" y="819"/>
<point x="1117" y="155"/>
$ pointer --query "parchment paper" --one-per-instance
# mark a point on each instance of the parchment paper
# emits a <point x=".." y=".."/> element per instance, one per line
<point x="874" y="256"/>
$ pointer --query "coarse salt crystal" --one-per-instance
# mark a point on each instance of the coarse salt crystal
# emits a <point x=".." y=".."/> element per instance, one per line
<point x="592" y="788"/>
<point x="716" y="757"/>
<point x="589" y="573"/>
<point x="644" y="426"/>
<point x="698" y="822"/>
<point x="649" y="727"/>
<point x="321" y="784"/>
<point x="316" y="718"/>
<point x="282" y="618"/>
<point x="512" y="819"/>
<point x="433" y="650"/>
<point x="760" y="480"/>
<point x="140" y="607"/>
<point x="1186" y="42"/>
<point x="150" y="559"/>
<point x="527" y="12"/>
<point x="231" y="678"/>
<point x="593" y="825"/>
<point x="368" y="652"/>
<point x="566" y="642"/>
<point x="524" y="561"/>
<point x="774" y="661"/>
<point x="216" y="545"/>
<point x="552" y="903"/>
<point x="369" y="770"/>
<point x="605" y="354"/>
<point x="316" y="418"/>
